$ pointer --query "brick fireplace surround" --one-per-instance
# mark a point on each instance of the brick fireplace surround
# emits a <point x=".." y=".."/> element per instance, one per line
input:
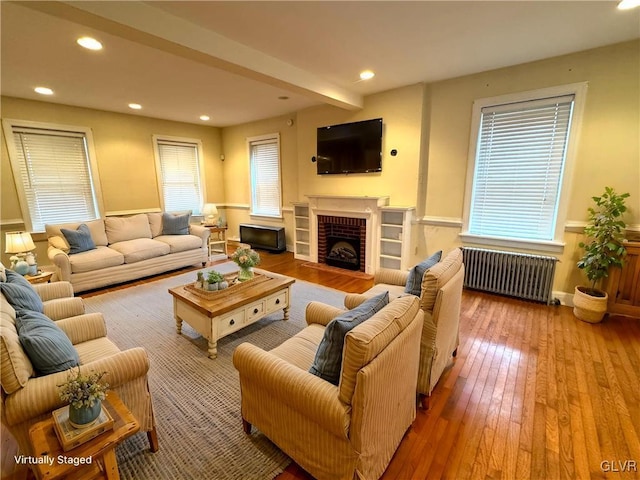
<point x="330" y="226"/>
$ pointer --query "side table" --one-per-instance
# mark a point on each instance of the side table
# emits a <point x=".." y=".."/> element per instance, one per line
<point x="40" y="277"/>
<point x="217" y="240"/>
<point x="94" y="459"/>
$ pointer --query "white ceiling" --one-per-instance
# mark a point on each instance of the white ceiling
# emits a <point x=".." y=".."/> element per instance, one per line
<point x="232" y="60"/>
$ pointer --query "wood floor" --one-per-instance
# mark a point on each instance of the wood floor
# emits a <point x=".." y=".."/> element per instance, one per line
<point x="533" y="394"/>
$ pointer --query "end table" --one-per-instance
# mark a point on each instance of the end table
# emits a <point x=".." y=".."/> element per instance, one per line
<point x="94" y="459"/>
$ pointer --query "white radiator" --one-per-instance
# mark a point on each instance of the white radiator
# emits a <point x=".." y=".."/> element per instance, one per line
<point x="520" y="275"/>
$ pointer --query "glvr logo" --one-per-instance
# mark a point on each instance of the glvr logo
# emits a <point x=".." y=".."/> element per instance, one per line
<point x="619" y="466"/>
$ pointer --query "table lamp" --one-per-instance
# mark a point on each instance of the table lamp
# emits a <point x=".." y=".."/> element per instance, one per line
<point x="19" y="243"/>
<point x="210" y="214"/>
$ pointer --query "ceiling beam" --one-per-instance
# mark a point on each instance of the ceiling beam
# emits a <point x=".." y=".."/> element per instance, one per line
<point x="147" y="25"/>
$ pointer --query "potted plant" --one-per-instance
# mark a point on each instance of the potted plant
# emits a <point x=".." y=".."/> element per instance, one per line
<point x="84" y="394"/>
<point x="246" y="259"/>
<point x="603" y="251"/>
<point x="214" y="278"/>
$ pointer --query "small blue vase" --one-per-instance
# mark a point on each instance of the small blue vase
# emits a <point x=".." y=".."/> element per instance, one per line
<point x="84" y="416"/>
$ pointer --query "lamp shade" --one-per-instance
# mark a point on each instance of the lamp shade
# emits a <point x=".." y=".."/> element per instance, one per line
<point x="19" y="242"/>
<point x="210" y="212"/>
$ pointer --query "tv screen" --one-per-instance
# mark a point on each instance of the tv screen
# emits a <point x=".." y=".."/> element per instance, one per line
<point x="350" y="147"/>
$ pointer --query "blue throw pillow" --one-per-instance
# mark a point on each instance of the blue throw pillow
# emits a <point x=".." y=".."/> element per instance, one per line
<point x="328" y="361"/>
<point x="46" y="345"/>
<point x="414" y="280"/>
<point x="175" y="224"/>
<point x="79" y="240"/>
<point x="19" y="293"/>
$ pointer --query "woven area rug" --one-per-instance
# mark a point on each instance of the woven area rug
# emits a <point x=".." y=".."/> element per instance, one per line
<point x="196" y="400"/>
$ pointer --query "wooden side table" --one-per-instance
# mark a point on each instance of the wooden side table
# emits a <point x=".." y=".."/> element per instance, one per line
<point x="217" y="240"/>
<point x="41" y="277"/>
<point x="94" y="459"/>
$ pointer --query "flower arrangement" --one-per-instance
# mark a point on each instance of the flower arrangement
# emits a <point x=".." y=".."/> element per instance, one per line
<point x="246" y="257"/>
<point x="83" y="390"/>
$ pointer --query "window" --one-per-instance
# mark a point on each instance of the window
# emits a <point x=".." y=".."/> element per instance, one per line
<point x="266" y="195"/>
<point x="520" y="153"/>
<point x="179" y="170"/>
<point x="54" y="172"/>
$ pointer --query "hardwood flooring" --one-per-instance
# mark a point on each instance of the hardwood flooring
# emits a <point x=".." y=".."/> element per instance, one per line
<point x="534" y="393"/>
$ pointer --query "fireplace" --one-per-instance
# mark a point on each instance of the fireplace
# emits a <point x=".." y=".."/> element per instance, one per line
<point x="343" y="252"/>
<point x="341" y="238"/>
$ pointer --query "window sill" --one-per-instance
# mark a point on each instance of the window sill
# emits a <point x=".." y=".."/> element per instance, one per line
<point x="535" y="245"/>
<point x="266" y="217"/>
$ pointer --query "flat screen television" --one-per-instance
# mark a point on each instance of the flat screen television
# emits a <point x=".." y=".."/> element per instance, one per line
<point x="350" y="147"/>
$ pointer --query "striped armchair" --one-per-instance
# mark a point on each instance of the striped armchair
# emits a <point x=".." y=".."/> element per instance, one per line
<point x="344" y="432"/>
<point x="27" y="399"/>
<point x="440" y="300"/>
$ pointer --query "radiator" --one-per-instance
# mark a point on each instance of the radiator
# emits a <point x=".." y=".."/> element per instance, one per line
<point x="520" y="275"/>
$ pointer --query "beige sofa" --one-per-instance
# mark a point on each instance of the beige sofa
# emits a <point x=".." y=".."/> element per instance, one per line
<point x="27" y="398"/>
<point x="440" y="299"/>
<point x="127" y="248"/>
<point x="334" y="432"/>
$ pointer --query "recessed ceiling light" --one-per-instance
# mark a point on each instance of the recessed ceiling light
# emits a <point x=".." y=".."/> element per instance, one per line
<point x="204" y="118"/>
<point x="628" y="4"/>
<point x="135" y="106"/>
<point x="43" y="91"/>
<point x="89" y="43"/>
<point x="367" y="75"/>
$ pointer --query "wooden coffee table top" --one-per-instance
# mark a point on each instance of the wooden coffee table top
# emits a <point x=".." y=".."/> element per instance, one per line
<point x="227" y="300"/>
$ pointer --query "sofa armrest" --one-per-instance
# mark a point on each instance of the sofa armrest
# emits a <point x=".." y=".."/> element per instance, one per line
<point x="202" y="232"/>
<point x="61" y="261"/>
<point x="390" y="276"/>
<point x="60" y="308"/>
<point x="40" y="395"/>
<point x="51" y="291"/>
<point x="84" y="327"/>
<point x="352" y="300"/>
<point x="302" y="391"/>
<point x="321" y="313"/>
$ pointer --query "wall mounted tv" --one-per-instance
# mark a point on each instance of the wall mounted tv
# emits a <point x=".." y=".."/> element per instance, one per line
<point x="350" y="147"/>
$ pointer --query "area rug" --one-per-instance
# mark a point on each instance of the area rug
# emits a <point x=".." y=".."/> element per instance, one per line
<point x="196" y="399"/>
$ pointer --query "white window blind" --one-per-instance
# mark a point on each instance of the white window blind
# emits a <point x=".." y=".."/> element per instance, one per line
<point x="180" y="175"/>
<point x="519" y="165"/>
<point x="266" y="198"/>
<point x="54" y="172"/>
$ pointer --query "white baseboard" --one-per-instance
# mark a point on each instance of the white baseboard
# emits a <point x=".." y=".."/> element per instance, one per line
<point x="564" y="297"/>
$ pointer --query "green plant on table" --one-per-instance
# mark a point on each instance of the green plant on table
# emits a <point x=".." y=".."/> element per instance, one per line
<point x="606" y="230"/>
<point x="214" y="277"/>
<point x="83" y="390"/>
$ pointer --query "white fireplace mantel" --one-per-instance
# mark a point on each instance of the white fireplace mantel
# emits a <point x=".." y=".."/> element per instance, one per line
<point x="348" y="206"/>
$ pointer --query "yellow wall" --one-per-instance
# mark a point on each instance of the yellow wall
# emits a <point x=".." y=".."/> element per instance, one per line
<point x="124" y="151"/>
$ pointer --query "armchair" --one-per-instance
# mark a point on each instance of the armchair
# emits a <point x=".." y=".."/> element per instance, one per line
<point x="440" y="300"/>
<point x="338" y="432"/>
<point x="27" y="399"/>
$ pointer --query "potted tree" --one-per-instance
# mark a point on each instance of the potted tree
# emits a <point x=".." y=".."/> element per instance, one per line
<point x="603" y="251"/>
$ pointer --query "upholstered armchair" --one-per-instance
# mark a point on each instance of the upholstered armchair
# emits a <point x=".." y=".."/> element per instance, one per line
<point x="28" y="398"/>
<point x="440" y="299"/>
<point x="345" y="431"/>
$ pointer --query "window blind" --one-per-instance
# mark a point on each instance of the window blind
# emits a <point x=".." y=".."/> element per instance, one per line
<point x="180" y="176"/>
<point x="519" y="165"/>
<point x="265" y="178"/>
<point x="56" y="177"/>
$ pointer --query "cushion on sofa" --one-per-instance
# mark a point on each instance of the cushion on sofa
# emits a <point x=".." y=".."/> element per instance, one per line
<point x="19" y="293"/>
<point x="414" y="280"/>
<point x="101" y="257"/>
<point x="180" y="243"/>
<point x="437" y="276"/>
<point x="175" y="224"/>
<point x="47" y="346"/>
<point x="140" y="249"/>
<point x="155" y="221"/>
<point x="79" y="240"/>
<point x="15" y="366"/>
<point x="121" y="229"/>
<point x="96" y="227"/>
<point x="328" y="359"/>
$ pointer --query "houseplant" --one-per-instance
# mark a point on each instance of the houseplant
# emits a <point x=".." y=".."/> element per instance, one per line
<point x="215" y="280"/>
<point x="84" y="394"/>
<point x="246" y="259"/>
<point x="605" y="250"/>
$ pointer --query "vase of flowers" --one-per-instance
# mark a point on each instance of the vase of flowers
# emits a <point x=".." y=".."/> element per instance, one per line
<point x="84" y="394"/>
<point x="246" y="259"/>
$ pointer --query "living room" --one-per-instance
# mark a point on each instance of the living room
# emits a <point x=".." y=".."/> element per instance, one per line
<point x="428" y="124"/>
